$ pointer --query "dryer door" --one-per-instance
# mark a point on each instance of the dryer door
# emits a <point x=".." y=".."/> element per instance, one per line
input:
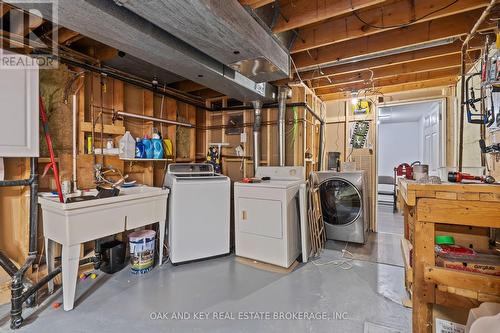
<point x="340" y="201"/>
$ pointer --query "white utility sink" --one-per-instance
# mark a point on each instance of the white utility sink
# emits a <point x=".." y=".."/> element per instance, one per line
<point x="72" y="224"/>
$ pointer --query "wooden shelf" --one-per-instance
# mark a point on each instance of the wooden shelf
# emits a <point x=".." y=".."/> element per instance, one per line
<point x="43" y="160"/>
<point x="108" y="129"/>
<point x="182" y="160"/>
<point x="146" y="159"/>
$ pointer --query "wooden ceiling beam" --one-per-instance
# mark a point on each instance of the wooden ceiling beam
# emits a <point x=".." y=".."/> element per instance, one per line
<point x="390" y="81"/>
<point x="390" y="15"/>
<point x="402" y="58"/>
<point x="4" y="9"/>
<point x="254" y="4"/>
<point x="187" y="86"/>
<point x="65" y="35"/>
<point x="103" y="53"/>
<point x="298" y="13"/>
<point x="406" y="87"/>
<point x="450" y="26"/>
<point x="443" y="62"/>
<point x="208" y="93"/>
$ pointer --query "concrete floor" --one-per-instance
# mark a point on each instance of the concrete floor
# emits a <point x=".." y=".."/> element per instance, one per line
<point x="367" y="297"/>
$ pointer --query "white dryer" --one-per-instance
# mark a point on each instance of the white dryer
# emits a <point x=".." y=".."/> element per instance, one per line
<point x="268" y="215"/>
<point x="199" y="212"/>
<point x="344" y="205"/>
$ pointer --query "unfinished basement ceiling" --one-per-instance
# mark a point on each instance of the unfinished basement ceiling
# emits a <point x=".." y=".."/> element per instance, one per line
<point x="221" y="29"/>
<point x="109" y="23"/>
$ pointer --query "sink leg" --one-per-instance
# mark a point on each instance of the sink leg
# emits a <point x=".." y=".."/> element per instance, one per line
<point x="49" y="256"/>
<point x="70" y="263"/>
<point x="161" y="230"/>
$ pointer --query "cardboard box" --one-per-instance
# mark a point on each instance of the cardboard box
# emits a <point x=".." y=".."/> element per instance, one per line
<point x="481" y="263"/>
<point x="449" y="320"/>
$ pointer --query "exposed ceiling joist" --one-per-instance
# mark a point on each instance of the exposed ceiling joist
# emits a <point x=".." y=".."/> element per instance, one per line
<point x="455" y="25"/>
<point x="406" y="87"/>
<point x="4" y="9"/>
<point x="443" y="62"/>
<point x="399" y="79"/>
<point x="66" y="36"/>
<point x="402" y="58"/>
<point x="254" y="4"/>
<point x="105" y="53"/>
<point x="389" y="15"/>
<point x="208" y="93"/>
<point x="187" y="86"/>
<point x="298" y="13"/>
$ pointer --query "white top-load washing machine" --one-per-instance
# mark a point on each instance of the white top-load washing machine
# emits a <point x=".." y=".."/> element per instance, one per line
<point x="268" y="215"/>
<point x="199" y="212"/>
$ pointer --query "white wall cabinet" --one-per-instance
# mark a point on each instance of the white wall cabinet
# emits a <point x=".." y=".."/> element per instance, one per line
<point x="19" y="117"/>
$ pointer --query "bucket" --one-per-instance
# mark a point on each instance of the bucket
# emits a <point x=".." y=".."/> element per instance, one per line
<point x="142" y="251"/>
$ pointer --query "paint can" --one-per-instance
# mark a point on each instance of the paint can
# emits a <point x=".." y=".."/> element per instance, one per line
<point x="142" y="251"/>
<point x="420" y="172"/>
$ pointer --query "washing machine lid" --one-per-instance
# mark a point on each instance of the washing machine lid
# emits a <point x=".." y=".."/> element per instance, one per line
<point x="341" y="201"/>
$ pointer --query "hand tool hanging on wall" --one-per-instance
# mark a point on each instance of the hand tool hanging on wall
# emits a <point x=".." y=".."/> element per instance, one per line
<point x="458" y="177"/>
<point x="495" y="148"/>
<point x="52" y="164"/>
<point x="474" y="116"/>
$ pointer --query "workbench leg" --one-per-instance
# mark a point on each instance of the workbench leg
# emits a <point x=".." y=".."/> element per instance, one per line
<point x="70" y="263"/>
<point x="49" y="257"/>
<point x="423" y="293"/>
<point x="406" y="211"/>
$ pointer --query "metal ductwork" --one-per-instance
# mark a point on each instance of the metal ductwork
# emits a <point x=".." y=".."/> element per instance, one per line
<point x="257" y="105"/>
<point x="118" y="27"/>
<point x="223" y="30"/>
<point x="283" y="95"/>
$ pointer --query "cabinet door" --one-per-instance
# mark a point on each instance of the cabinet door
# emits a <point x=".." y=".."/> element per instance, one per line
<point x="19" y="112"/>
<point x="260" y="217"/>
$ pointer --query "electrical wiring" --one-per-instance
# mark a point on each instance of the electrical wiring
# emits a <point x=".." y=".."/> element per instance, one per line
<point x="404" y="24"/>
<point x="344" y="262"/>
<point x="296" y="70"/>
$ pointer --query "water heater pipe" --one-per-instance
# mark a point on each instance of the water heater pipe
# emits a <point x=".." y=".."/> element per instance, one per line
<point x="256" y="134"/>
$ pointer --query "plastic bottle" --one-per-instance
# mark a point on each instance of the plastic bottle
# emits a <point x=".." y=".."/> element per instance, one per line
<point x="139" y="149"/>
<point x="157" y="146"/>
<point x="148" y="147"/>
<point x="127" y="146"/>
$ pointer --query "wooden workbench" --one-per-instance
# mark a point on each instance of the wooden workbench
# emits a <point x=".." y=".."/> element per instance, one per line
<point x="430" y="205"/>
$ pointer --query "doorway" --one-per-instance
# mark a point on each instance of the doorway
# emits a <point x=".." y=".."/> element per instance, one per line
<point x="407" y="132"/>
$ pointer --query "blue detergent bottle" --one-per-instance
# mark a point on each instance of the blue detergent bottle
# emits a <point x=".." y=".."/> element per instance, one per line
<point x="148" y="147"/>
<point x="158" y="150"/>
<point x="139" y="149"/>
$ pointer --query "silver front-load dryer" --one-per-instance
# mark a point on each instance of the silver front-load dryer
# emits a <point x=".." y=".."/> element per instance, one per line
<point x="344" y="205"/>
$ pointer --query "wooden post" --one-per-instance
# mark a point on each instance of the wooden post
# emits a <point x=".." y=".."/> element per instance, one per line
<point x="423" y="293"/>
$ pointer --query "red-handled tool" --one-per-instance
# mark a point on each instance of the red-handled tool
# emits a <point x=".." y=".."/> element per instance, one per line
<point x="458" y="177"/>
